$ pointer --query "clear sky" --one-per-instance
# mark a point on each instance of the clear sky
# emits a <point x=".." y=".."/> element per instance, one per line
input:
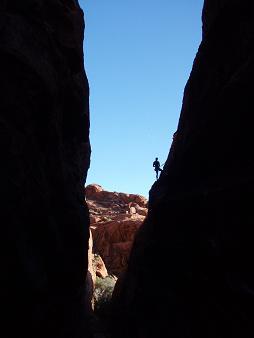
<point x="138" y="57"/>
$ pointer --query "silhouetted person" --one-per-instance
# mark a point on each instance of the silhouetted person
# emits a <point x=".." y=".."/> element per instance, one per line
<point x="156" y="165"/>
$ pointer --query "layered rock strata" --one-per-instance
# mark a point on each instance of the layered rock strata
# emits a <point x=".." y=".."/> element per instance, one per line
<point x="115" y="218"/>
<point x="45" y="154"/>
<point x="200" y="218"/>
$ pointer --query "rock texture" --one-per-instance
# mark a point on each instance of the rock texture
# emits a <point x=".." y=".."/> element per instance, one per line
<point x="99" y="267"/>
<point x="96" y="268"/>
<point x="45" y="153"/>
<point x="200" y="218"/>
<point x="115" y="218"/>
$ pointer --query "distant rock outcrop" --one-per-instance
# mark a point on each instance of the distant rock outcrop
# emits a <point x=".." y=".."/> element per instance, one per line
<point x="200" y="221"/>
<point x="115" y="219"/>
<point x="45" y="154"/>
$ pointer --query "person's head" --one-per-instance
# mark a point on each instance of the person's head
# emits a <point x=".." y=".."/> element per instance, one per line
<point x="156" y="158"/>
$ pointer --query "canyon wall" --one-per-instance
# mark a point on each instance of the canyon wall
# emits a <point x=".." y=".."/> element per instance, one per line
<point x="115" y="218"/>
<point x="45" y="154"/>
<point x="190" y="272"/>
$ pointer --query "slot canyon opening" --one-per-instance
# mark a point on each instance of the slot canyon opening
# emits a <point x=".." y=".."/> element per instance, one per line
<point x="185" y="270"/>
<point x="138" y="57"/>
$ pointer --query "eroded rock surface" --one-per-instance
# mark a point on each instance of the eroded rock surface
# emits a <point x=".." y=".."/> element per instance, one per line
<point x="96" y="268"/>
<point x="200" y="221"/>
<point x="45" y="154"/>
<point x="115" y="218"/>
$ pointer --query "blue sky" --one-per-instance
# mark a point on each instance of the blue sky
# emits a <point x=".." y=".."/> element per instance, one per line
<point x="138" y="57"/>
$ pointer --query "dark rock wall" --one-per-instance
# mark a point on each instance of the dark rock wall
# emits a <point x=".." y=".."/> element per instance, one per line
<point x="200" y="222"/>
<point x="45" y="154"/>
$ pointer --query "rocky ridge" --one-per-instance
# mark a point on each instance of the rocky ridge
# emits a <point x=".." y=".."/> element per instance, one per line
<point x="114" y="220"/>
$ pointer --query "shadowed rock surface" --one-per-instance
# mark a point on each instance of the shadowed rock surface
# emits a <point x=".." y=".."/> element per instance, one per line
<point x="200" y="218"/>
<point x="45" y="154"/>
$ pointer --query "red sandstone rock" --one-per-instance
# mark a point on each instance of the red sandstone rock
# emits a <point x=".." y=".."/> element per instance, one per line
<point x="115" y="219"/>
<point x="99" y="267"/>
<point x="96" y="267"/>
<point x="92" y="190"/>
<point x="91" y="259"/>
<point x="91" y="277"/>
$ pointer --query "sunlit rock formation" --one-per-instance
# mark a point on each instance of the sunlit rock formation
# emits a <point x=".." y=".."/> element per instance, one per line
<point x="96" y="268"/>
<point x="115" y="218"/>
<point x="45" y="154"/>
<point x="200" y="218"/>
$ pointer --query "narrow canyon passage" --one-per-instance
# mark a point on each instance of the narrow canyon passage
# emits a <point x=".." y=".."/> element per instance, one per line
<point x="182" y="266"/>
<point x="115" y="218"/>
<point x="199" y="224"/>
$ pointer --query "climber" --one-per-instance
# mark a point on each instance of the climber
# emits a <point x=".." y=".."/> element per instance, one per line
<point x="156" y="165"/>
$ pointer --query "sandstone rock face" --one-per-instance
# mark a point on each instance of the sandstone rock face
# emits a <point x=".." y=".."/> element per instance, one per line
<point x="45" y="154"/>
<point x="200" y="220"/>
<point x="115" y="219"/>
<point x="96" y="268"/>
<point x="99" y="267"/>
<point x="90" y="278"/>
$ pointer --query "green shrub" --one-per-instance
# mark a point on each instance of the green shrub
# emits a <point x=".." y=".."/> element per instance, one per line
<point x="102" y="294"/>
